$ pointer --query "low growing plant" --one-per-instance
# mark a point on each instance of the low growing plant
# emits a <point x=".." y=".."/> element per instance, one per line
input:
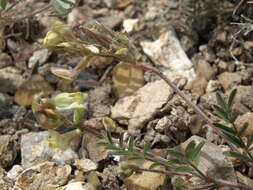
<point x="68" y="108"/>
<point x="101" y="41"/>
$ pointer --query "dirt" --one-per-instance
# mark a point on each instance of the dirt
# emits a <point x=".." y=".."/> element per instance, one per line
<point x="221" y="54"/>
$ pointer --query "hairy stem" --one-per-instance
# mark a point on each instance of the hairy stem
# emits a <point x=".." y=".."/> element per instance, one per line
<point x="168" y="173"/>
<point x="206" y="186"/>
<point x="163" y="161"/>
<point x="188" y="101"/>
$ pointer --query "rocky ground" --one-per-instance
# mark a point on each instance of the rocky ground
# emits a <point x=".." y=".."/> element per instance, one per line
<point x="204" y="49"/>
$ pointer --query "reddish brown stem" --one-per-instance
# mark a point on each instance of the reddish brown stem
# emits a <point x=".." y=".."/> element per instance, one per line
<point x="188" y="101"/>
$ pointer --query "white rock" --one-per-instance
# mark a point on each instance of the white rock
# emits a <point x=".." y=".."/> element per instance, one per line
<point x="39" y="57"/>
<point x="14" y="172"/>
<point x="168" y="52"/>
<point x="35" y="147"/>
<point x="85" y="165"/>
<point x="96" y="153"/>
<point x="140" y="108"/>
<point x="145" y="180"/>
<point x="42" y="176"/>
<point x="129" y="24"/>
<point x="212" y="86"/>
<point x="79" y="186"/>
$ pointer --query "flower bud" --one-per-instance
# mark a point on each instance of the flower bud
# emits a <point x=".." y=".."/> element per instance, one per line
<point x="67" y="75"/>
<point x="72" y="101"/>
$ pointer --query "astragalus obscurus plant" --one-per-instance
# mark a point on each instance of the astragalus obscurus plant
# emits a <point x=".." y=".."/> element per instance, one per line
<point x="68" y="108"/>
<point x="98" y="40"/>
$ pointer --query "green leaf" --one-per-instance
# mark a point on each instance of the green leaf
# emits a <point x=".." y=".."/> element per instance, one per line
<point x="231" y="99"/>
<point x="109" y="137"/>
<point x="189" y="149"/>
<point x="104" y="135"/>
<point x="239" y="156"/>
<point x="196" y="153"/>
<point x="243" y="129"/>
<point x="176" y="161"/>
<point x="233" y="116"/>
<point x="102" y="143"/>
<point x="154" y="165"/>
<point x="176" y="154"/>
<point x="112" y="147"/>
<point x="108" y="146"/>
<point x="61" y="7"/>
<point x="234" y="139"/>
<point x="131" y="143"/>
<point x="221" y="101"/>
<point x="136" y="158"/>
<point x="184" y="169"/>
<point x="222" y="113"/>
<point x="3" y="4"/>
<point x="250" y="140"/>
<point x="146" y="148"/>
<point x="225" y="128"/>
<point x="122" y="153"/>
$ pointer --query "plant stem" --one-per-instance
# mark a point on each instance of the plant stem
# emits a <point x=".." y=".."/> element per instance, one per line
<point x="169" y="173"/>
<point x="197" y="170"/>
<point x="206" y="186"/>
<point x="152" y="157"/>
<point x="188" y="101"/>
<point x="226" y="183"/>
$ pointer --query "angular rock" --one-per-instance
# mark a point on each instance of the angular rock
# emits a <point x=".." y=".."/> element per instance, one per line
<point x="196" y="124"/>
<point x="222" y="66"/>
<point x="247" y="117"/>
<point x="129" y="24"/>
<point x="208" y="100"/>
<point x="5" y="106"/>
<point x="244" y="180"/>
<point x="145" y="180"/>
<point x="39" y="57"/>
<point x="229" y="80"/>
<point x="198" y="85"/>
<point x="8" y="150"/>
<point x="5" y="59"/>
<point x="10" y="79"/>
<point x="212" y="162"/>
<point x="244" y="99"/>
<point x="79" y="186"/>
<point x="85" y="165"/>
<point x="110" y="21"/>
<point x="25" y="93"/>
<point x="168" y="52"/>
<point x="99" y="101"/>
<point x="35" y="148"/>
<point x="205" y="69"/>
<point x="212" y="86"/>
<point x="14" y="172"/>
<point x="43" y="176"/>
<point x="138" y="109"/>
<point x="94" y="152"/>
<point x="5" y="183"/>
